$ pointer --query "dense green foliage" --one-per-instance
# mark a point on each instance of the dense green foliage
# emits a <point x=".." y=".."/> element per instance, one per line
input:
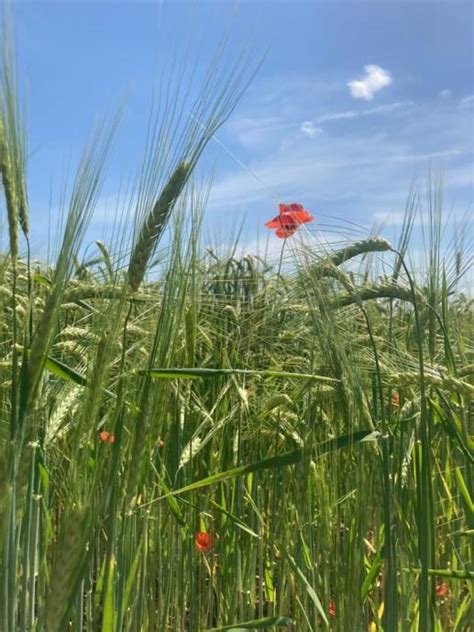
<point x="267" y="458"/>
<point x="314" y="417"/>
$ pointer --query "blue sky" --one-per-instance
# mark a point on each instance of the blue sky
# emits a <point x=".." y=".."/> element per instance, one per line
<point x="352" y="101"/>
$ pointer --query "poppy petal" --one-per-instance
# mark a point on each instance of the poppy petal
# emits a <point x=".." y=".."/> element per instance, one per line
<point x="307" y="217"/>
<point x="288" y="220"/>
<point x="274" y="223"/>
<point x="286" y="231"/>
<point x="302" y="217"/>
<point x="294" y="207"/>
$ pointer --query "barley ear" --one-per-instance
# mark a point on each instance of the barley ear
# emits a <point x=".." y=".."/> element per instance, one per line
<point x="66" y="556"/>
<point x="8" y="182"/>
<point x="326" y="267"/>
<point x="23" y="211"/>
<point x="369" y="292"/>
<point x="155" y="223"/>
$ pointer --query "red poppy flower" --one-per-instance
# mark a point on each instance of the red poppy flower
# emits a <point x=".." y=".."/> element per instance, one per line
<point x="203" y="541"/>
<point x="395" y="399"/>
<point x="442" y="589"/>
<point x="107" y="437"/>
<point x="332" y="608"/>
<point x="291" y="217"/>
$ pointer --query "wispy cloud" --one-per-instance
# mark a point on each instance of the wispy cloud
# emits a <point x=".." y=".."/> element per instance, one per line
<point x="445" y="94"/>
<point x="348" y="114"/>
<point x="310" y="129"/>
<point x="374" y="80"/>
<point x="359" y="172"/>
<point x="351" y="173"/>
<point x="354" y="172"/>
<point x="255" y="131"/>
<point x="468" y="100"/>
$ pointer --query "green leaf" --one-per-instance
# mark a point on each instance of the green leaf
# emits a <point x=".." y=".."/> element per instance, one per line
<point x="172" y="502"/>
<point x="256" y="624"/>
<point x="309" y="589"/>
<point x="463" y="490"/>
<point x="108" y="614"/>
<point x="348" y="440"/>
<point x="238" y="523"/>
<point x="99" y="587"/>
<point x="439" y="572"/>
<point x="65" y="372"/>
<point x="42" y="280"/>
<point x="193" y="374"/>
<point x="372" y="574"/>
<point x="462" y="614"/>
<point x="280" y="460"/>
<point x="44" y="476"/>
<point x="466" y="532"/>
<point x="452" y="426"/>
<point x="130" y="579"/>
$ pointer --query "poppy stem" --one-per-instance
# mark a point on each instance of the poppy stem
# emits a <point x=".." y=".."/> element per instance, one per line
<point x="281" y="257"/>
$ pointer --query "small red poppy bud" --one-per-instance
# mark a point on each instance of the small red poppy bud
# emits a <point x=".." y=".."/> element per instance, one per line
<point x="332" y="608"/>
<point x="442" y="589"/>
<point x="203" y="541"/>
<point x="107" y="437"/>
<point x="395" y="399"/>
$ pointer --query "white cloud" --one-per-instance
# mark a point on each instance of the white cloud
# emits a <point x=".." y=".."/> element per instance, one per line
<point x="375" y="79"/>
<point x="358" y="173"/>
<point x="376" y="171"/>
<point x="445" y="94"/>
<point x="253" y="131"/>
<point x="309" y="128"/>
<point x="257" y="131"/>
<point x="468" y="100"/>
